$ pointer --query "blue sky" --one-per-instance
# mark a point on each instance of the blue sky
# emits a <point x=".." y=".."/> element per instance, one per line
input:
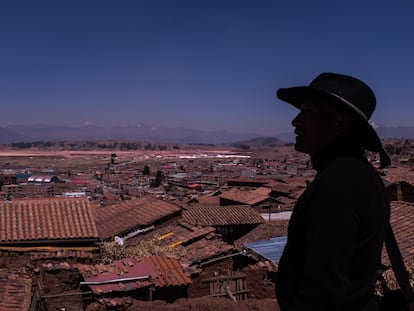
<point x="202" y="64"/>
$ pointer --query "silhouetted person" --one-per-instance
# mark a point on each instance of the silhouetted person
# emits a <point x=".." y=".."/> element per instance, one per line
<point x="338" y="225"/>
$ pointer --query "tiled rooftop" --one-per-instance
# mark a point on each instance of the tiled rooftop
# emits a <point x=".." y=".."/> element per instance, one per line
<point x="281" y="187"/>
<point x="400" y="173"/>
<point x="46" y="219"/>
<point x="15" y="292"/>
<point x="203" y="250"/>
<point x="170" y="270"/>
<point x="205" y="200"/>
<point x="297" y="182"/>
<point x="286" y="200"/>
<point x="162" y="270"/>
<point x="250" y="197"/>
<point x="263" y="191"/>
<point x="402" y="222"/>
<point x="131" y="214"/>
<point x="222" y="215"/>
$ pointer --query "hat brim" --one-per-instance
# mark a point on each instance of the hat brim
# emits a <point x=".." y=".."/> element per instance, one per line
<point x="296" y="95"/>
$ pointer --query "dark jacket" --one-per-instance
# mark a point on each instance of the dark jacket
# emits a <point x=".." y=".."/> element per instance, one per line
<point x="335" y="238"/>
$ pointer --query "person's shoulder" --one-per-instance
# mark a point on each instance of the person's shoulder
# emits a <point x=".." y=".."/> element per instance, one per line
<point x="350" y="167"/>
<point x="350" y="161"/>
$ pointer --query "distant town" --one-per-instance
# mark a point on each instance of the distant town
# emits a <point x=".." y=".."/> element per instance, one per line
<point x="126" y="225"/>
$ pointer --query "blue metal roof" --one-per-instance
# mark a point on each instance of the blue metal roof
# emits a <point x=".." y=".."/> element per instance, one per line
<point x="271" y="249"/>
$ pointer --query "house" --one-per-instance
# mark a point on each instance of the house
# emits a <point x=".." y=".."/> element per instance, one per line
<point x="37" y="233"/>
<point x="134" y="215"/>
<point x="281" y="189"/>
<point x="147" y="278"/>
<point x="230" y="221"/>
<point x="204" y="199"/>
<point x="264" y="234"/>
<point x="256" y="198"/>
<point x="53" y="223"/>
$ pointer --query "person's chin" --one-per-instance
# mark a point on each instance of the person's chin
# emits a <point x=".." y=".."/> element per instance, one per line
<point x="300" y="147"/>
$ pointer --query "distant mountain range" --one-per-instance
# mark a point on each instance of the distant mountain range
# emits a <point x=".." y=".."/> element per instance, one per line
<point x="30" y="133"/>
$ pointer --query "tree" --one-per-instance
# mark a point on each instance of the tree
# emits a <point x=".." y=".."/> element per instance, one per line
<point x="113" y="157"/>
<point x="146" y="170"/>
<point x="159" y="176"/>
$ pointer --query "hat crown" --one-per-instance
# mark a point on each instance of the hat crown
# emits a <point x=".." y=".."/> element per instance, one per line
<point x="354" y="91"/>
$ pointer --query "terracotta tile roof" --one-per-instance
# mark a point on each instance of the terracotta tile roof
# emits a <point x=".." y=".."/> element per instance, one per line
<point x="282" y="187"/>
<point x="119" y="269"/>
<point x="170" y="270"/>
<point x="206" y="199"/>
<point x="286" y="200"/>
<point x="297" y="182"/>
<point x="297" y="193"/>
<point x="46" y="219"/>
<point x="131" y="214"/>
<point x="249" y="197"/>
<point x="222" y="215"/>
<point x="162" y="271"/>
<point x="15" y="292"/>
<point x="263" y="191"/>
<point x="402" y="222"/>
<point x="203" y="250"/>
<point x="400" y="173"/>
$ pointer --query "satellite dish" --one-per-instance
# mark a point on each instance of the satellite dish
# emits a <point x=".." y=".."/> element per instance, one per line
<point x="119" y="240"/>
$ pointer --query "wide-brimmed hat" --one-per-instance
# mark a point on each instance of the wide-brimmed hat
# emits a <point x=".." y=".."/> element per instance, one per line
<point x="348" y="92"/>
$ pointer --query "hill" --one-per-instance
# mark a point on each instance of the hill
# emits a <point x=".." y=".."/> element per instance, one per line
<point x="181" y="135"/>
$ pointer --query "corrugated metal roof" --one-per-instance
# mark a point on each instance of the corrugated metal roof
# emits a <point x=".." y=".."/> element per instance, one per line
<point x="43" y="178"/>
<point x="270" y="249"/>
<point x="119" y="269"/>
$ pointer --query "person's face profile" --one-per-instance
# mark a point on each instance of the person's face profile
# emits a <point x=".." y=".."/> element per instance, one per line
<point x="315" y="126"/>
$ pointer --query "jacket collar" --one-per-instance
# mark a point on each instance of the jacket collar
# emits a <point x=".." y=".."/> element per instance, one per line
<point x="343" y="148"/>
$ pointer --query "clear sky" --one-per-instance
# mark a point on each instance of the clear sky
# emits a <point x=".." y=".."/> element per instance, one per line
<point x="202" y="64"/>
